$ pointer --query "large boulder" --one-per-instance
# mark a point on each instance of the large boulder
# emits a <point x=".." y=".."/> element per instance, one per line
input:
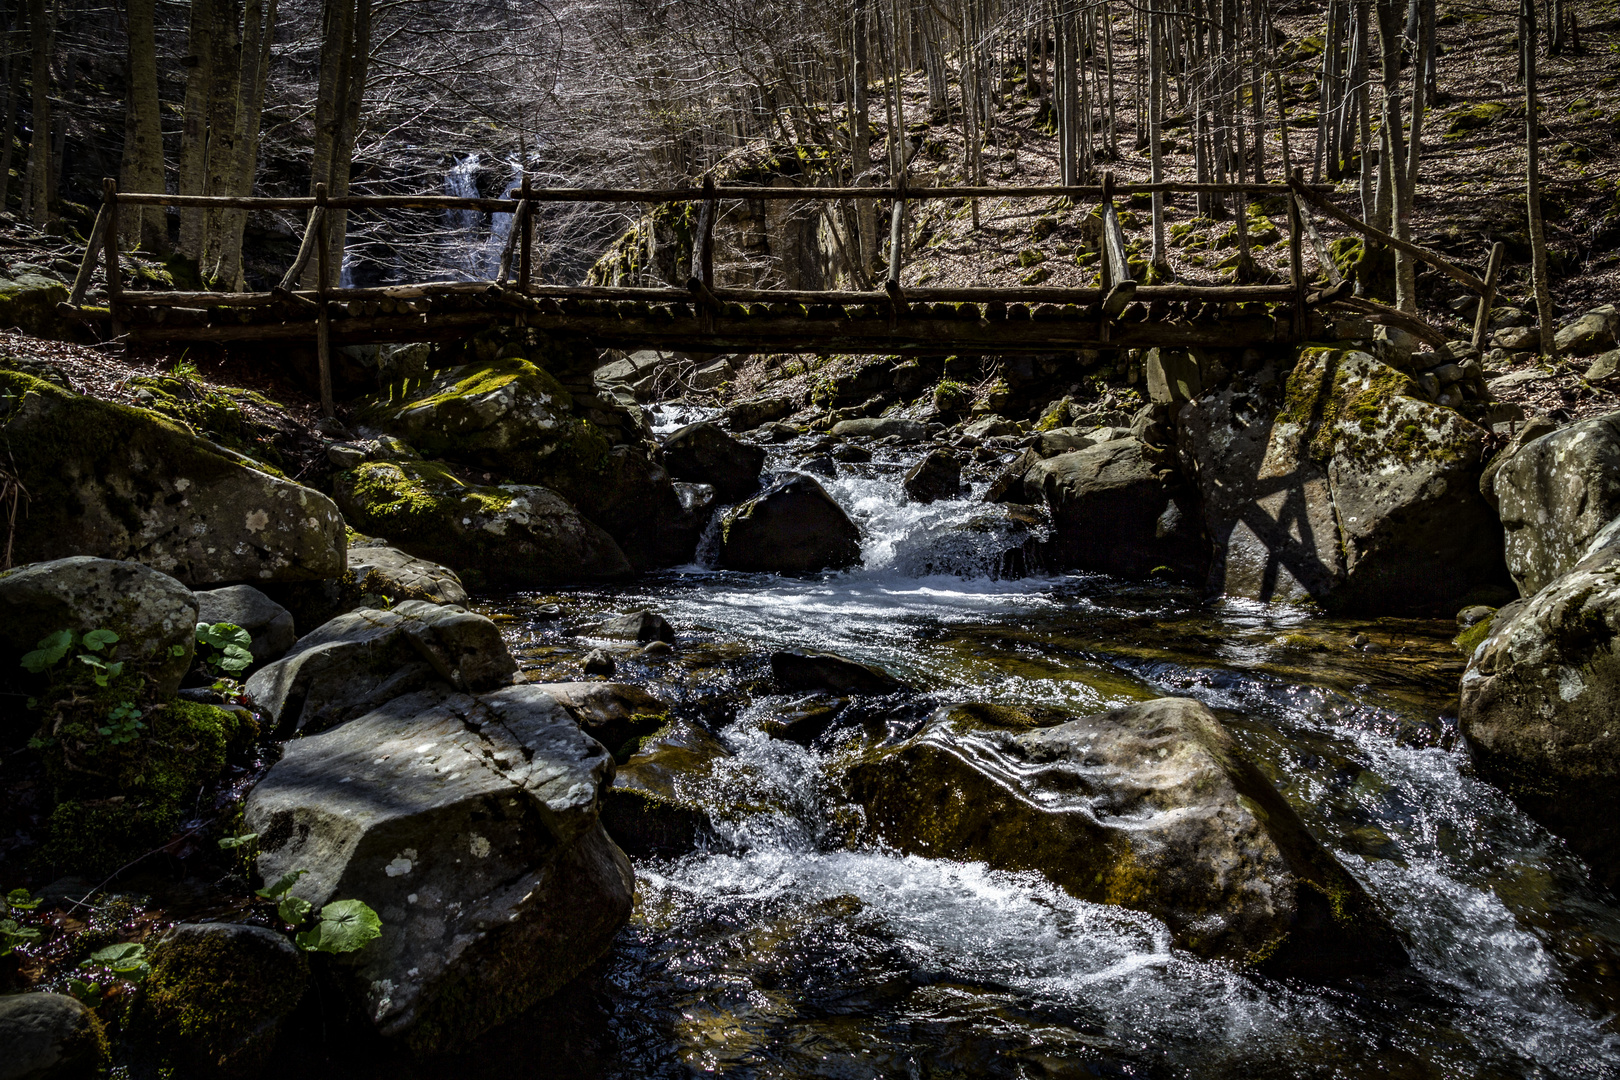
<point x="1351" y="490"/>
<point x="937" y="476"/>
<point x="1590" y="334"/>
<point x="793" y="527"/>
<point x="703" y="454"/>
<point x="122" y="483"/>
<point x="1150" y="807"/>
<point x="50" y="1037"/>
<point x="516" y="535"/>
<point x="1554" y="495"/>
<point x="154" y="616"/>
<point x="269" y="624"/>
<point x="216" y="997"/>
<point x="614" y="714"/>
<point x="359" y="660"/>
<point x="470" y="825"/>
<point x="1539" y="705"/>
<point x="1113" y="512"/>
<point x="634" y="500"/>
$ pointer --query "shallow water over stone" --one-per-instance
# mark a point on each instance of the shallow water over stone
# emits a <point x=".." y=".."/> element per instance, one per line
<point x="784" y="950"/>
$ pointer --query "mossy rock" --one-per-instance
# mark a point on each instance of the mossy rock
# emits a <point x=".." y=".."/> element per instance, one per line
<point x="522" y="535"/>
<point x="952" y="397"/>
<point x="216" y="413"/>
<point x="1168" y="819"/>
<point x="117" y="802"/>
<point x="125" y="483"/>
<point x="1474" y="117"/>
<point x="214" y="1001"/>
<point x="28" y="301"/>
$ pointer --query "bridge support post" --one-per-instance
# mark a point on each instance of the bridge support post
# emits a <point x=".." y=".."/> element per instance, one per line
<point x="1296" y="256"/>
<point x="115" y="277"/>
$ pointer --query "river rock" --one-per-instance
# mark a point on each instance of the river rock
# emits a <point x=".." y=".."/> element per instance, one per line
<point x="269" y="624"/>
<point x="1008" y="486"/>
<point x="1539" y="705"/>
<point x="793" y="527"/>
<point x="656" y="805"/>
<point x="470" y="825"/>
<point x="358" y="661"/>
<point x="1351" y="490"/>
<point x="216" y="997"/>
<point x="641" y="625"/>
<point x="50" y="1037"/>
<point x="803" y="669"/>
<point x="632" y="498"/>
<point x="525" y="536"/>
<point x="937" y="476"/>
<point x="881" y="427"/>
<point x="748" y="415"/>
<point x="1112" y="512"/>
<point x="704" y="454"/>
<point x="122" y="483"/>
<point x="1604" y="367"/>
<point x="1592" y="333"/>
<point x="611" y="713"/>
<point x="1149" y="807"/>
<point x="154" y="616"/>
<point x="599" y="662"/>
<point x="1519" y="339"/>
<point x="389" y="575"/>
<point x="1554" y="495"/>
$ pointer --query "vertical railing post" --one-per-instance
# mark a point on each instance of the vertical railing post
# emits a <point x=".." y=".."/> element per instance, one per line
<point x="323" y="318"/>
<point x="897" y="248"/>
<point x="94" y="249"/>
<point x="1121" y="288"/>
<point x="1106" y="275"/>
<point x="115" y="277"/>
<point x="1482" y="317"/>
<point x="1296" y="255"/>
<point x="526" y="233"/>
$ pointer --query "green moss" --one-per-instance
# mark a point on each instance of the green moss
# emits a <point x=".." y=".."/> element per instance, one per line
<point x="952" y="397"/>
<point x="415" y="498"/>
<point x="1469" y="639"/>
<point x="1474" y="117"/>
<point x="1363" y="410"/>
<point x="216" y="413"/>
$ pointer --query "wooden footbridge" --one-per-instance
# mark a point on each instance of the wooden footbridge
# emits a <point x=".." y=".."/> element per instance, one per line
<point x="1117" y="313"/>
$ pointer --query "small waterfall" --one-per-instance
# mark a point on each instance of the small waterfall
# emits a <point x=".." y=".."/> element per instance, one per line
<point x="476" y="240"/>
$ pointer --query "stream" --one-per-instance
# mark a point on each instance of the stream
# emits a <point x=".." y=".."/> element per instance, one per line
<point x="782" y="951"/>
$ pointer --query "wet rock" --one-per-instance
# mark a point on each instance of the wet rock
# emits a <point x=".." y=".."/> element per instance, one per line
<point x="991" y="427"/>
<point x="1112" y="512"/>
<point x="1353" y="491"/>
<point x="820" y="465"/>
<point x="633" y="500"/>
<point x="704" y="454"/>
<point x="1538" y="706"/>
<point x="937" y="476"/>
<point x="849" y="452"/>
<point x="1554" y="495"/>
<point x="50" y="1037"/>
<point x="123" y="483"/>
<point x="519" y="535"/>
<point x="471" y="826"/>
<point x="804" y="721"/>
<point x="356" y="662"/>
<point x="656" y="805"/>
<point x="270" y="624"/>
<point x="748" y="415"/>
<point x="611" y="713"/>
<point x="1009" y="487"/>
<point x="1592" y="333"/>
<point x="383" y="571"/>
<point x="216" y="997"/>
<point x="1149" y="807"/>
<point x="793" y="527"/>
<point x="685" y="531"/>
<point x="637" y="626"/>
<point x="598" y="662"/>
<point x="802" y="669"/>
<point x="881" y="427"/>
<point x="152" y="614"/>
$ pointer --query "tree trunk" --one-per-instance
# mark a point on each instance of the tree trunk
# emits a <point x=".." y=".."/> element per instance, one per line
<point x="258" y="31"/>
<point x="193" y="174"/>
<point x="1406" y="186"/>
<point x="143" y="226"/>
<point x="345" y="47"/>
<point x="222" y="121"/>
<point x="1532" y="179"/>
<point x="41" y="184"/>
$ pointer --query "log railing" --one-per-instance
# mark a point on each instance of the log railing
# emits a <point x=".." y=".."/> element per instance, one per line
<point x="1116" y="291"/>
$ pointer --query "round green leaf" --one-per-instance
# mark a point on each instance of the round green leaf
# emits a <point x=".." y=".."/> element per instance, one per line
<point x="96" y="640"/>
<point x="346" y="925"/>
<point x="293" y="909"/>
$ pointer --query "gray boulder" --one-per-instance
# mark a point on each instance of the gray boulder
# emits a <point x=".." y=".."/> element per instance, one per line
<point x="1351" y="491"/>
<point x="1554" y="495"/>
<point x="748" y="415"/>
<point x="216" y="998"/>
<point x="49" y="1037"/>
<point x="359" y="660"/>
<point x="937" y="476"/>
<point x="641" y="625"/>
<point x="1149" y="807"/>
<point x="123" y="483"/>
<point x="1590" y="334"/>
<point x="793" y="527"/>
<point x="1539" y="705"/>
<point x="511" y="534"/>
<point x="383" y="571"/>
<point x="1604" y="367"/>
<point x="611" y="713"/>
<point x="881" y="427"/>
<point x="1113" y="512"/>
<point x="152" y="614"/>
<point x="704" y="454"/>
<point x="470" y="825"/>
<point x="270" y="624"/>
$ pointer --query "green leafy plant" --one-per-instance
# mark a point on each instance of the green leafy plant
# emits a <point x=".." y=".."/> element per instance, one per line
<point x="123" y="723"/>
<point x="13" y="933"/>
<point x="223" y="647"/>
<point x="54" y="648"/>
<point x="342" y="926"/>
<point x="104" y="968"/>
